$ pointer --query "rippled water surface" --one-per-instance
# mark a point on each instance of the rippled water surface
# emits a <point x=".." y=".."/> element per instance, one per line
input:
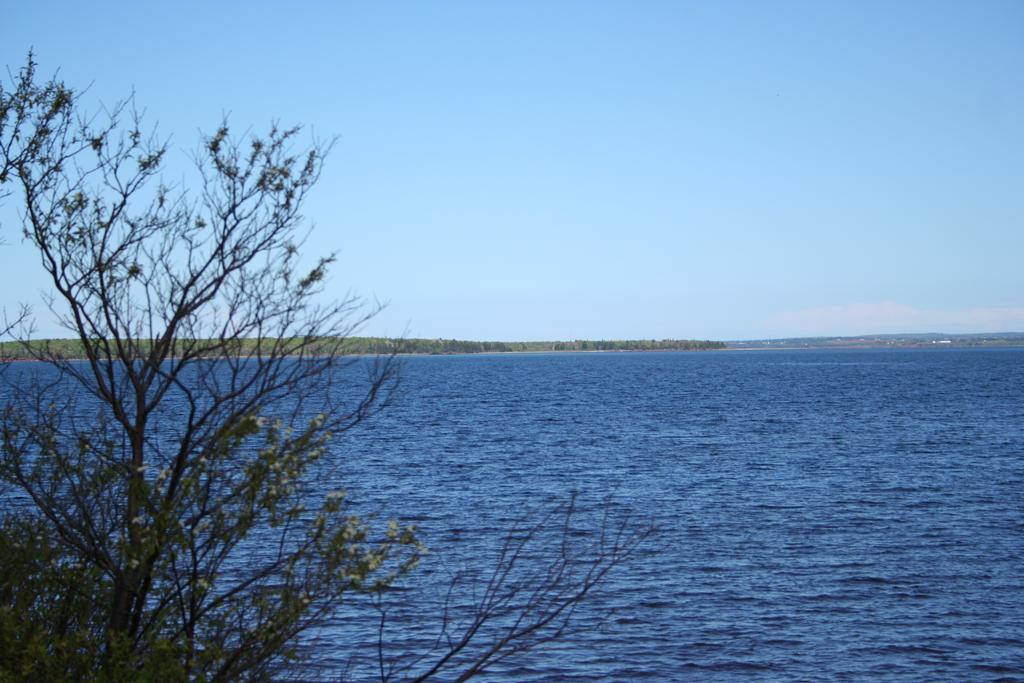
<point x="822" y="515"/>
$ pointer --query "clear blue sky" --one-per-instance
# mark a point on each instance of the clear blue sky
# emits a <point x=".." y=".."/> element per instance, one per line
<point x="557" y="170"/>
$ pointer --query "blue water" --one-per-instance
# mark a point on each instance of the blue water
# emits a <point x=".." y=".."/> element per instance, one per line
<point x="821" y="515"/>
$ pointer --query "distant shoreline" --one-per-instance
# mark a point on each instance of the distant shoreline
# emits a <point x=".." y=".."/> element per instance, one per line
<point x="71" y="349"/>
<point x="930" y="340"/>
<point x="727" y="349"/>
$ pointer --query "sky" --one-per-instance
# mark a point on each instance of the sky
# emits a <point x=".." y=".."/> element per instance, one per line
<point x="602" y="170"/>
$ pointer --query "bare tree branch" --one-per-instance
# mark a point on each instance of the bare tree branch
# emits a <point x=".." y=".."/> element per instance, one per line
<point x="546" y="567"/>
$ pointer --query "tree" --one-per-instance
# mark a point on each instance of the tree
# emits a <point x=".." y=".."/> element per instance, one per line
<point x="163" y="514"/>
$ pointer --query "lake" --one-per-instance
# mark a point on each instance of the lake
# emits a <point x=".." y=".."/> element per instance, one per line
<point x="821" y="514"/>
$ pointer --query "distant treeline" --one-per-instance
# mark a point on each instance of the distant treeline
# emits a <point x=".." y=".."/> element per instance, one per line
<point x="438" y="346"/>
<point x="72" y="348"/>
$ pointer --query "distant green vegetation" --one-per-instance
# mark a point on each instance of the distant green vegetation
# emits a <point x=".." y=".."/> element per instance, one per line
<point x="72" y="348"/>
<point x="439" y="346"/>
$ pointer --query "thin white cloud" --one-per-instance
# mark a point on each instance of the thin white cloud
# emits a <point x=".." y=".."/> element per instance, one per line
<point x="890" y="317"/>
